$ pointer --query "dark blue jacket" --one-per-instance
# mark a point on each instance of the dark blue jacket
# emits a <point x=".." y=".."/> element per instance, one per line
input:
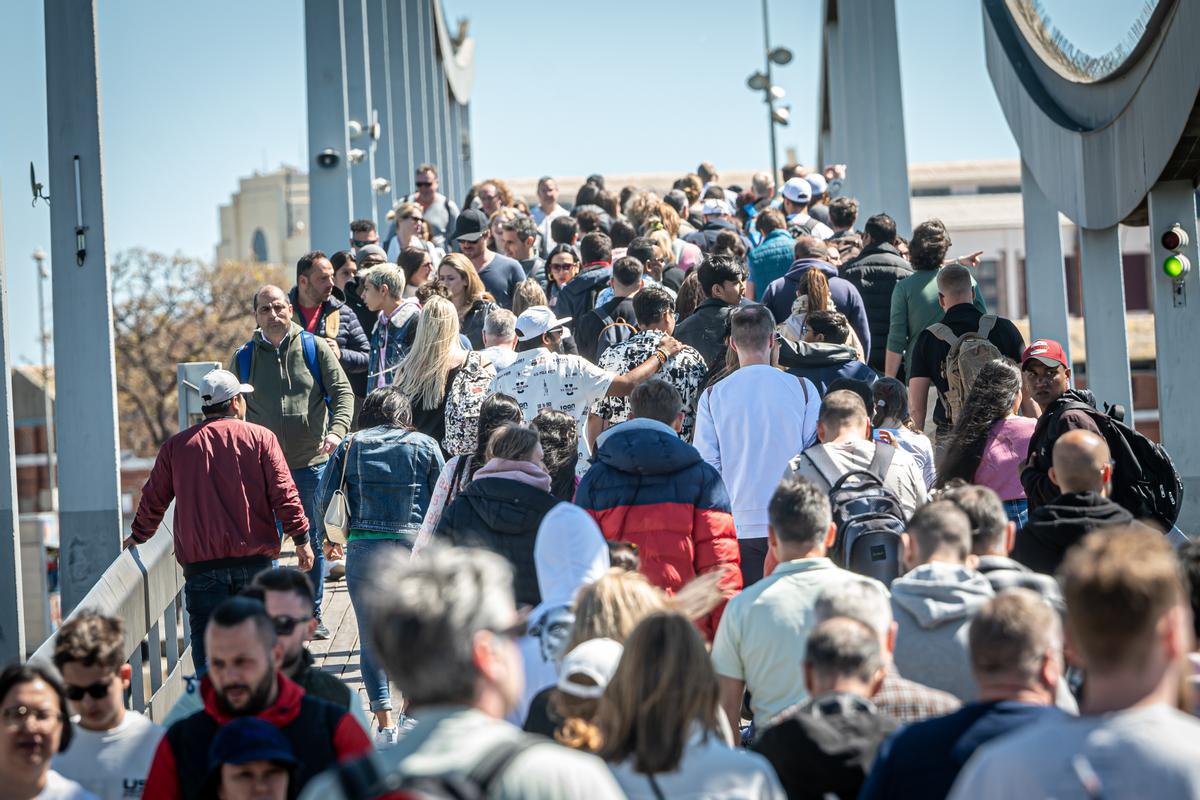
<point x="923" y="760"/>
<point x="824" y="363"/>
<point x="780" y="295"/>
<point x="338" y="321"/>
<point x="579" y="295"/>
<point x="706" y="237"/>
<point x="390" y="479"/>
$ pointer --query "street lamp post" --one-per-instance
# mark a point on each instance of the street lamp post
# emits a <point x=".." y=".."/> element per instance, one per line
<point x="39" y="256"/>
<point x="763" y="82"/>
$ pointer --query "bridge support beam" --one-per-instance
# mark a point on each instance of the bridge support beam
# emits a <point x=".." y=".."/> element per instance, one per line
<point x="12" y="614"/>
<point x="1176" y="322"/>
<point x="328" y="186"/>
<point x="86" y="409"/>
<point x="1104" y="317"/>
<point x="1045" y="276"/>
<point x="358" y="107"/>
<point x="381" y="105"/>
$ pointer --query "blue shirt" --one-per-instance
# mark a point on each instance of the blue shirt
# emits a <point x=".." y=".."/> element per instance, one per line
<point x="500" y="277"/>
<point x="770" y="260"/>
<point x="923" y="760"/>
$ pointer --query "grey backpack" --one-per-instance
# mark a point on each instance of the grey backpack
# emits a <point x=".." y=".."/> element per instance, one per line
<point x="968" y="355"/>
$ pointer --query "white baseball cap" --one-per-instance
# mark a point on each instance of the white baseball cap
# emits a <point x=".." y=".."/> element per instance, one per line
<point x="715" y="206"/>
<point x="536" y="321"/>
<point x="818" y="183"/>
<point x="797" y="190"/>
<point x="596" y="659"/>
<point x="221" y="385"/>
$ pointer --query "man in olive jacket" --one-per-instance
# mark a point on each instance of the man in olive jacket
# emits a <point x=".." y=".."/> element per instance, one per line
<point x="289" y="400"/>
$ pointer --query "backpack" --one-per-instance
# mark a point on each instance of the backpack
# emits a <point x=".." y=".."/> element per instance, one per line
<point x="868" y="515"/>
<point x="613" y="333"/>
<point x="968" y="355"/>
<point x="798" y="229"/>
<point x="308" y="345"/>
<point x="360" y="779"/>
<point x="1145" y="482"/>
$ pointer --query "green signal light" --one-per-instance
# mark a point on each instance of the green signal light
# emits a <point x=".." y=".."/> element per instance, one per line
<point x="1175" y="266"/>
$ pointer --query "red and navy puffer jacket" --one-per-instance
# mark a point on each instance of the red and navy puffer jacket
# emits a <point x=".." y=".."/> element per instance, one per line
<point x="649" y="487"/>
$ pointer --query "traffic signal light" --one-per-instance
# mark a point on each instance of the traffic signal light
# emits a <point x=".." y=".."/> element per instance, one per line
<point x="1176" y="265"/>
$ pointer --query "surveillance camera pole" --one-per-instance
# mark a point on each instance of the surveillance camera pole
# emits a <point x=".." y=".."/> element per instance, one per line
<point x="767" y="91"/>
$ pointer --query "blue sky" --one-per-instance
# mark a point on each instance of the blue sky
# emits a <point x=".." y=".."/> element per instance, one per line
<point x="195" y="95"/>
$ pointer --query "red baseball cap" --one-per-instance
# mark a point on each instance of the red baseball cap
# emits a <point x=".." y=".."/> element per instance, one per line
<point x="1047" y="351"/>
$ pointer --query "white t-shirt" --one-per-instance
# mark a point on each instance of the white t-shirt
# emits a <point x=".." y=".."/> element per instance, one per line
<point x="111" y="764"/>
<point x="60" y="788"/>
<point x="501" y="357"/>
<point x="1143" y="752"/>
<point x="540" y="379"/>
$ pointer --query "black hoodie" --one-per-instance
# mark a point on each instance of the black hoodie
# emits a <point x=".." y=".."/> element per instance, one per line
<point x="1053" y="528"/>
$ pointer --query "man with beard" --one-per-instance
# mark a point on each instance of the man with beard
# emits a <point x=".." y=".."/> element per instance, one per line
<point x="287" y="594"/>
<point x="244" y="680"/>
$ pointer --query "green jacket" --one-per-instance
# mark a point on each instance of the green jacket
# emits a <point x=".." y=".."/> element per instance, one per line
<point x="914" y="308"/>
<point x="287" y="400"/>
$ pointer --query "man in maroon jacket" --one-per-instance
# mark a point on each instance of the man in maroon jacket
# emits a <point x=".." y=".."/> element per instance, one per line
<point x="230" y="483"/>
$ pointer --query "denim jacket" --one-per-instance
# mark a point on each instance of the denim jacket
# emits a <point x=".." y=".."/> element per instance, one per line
<point x="390" y="477"/>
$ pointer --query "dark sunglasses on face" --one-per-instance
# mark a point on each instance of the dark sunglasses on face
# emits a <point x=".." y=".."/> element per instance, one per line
<point x="424" y="184"/>
<point x="562" y="267"/>
<point x="363" y="242"/>
<point x="284" y="625"/>
<point x="96" y="690"/>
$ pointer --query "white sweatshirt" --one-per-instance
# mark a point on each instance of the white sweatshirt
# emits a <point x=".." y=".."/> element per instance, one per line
<point x="748" y="426"/>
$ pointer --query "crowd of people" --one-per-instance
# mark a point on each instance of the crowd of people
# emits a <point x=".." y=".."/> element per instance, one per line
<point x="700" y="495"/>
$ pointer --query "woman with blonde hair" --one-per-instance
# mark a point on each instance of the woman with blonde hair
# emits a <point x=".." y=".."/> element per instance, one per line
<point x="685" y="255"/>
<point x="411" y="231"/>
<point x="496" y="223"/>
<point x="664" y="734"/>
<point x="528" y="293"/>
<point x="471" y="300"/>
<point x="443" y="381"/>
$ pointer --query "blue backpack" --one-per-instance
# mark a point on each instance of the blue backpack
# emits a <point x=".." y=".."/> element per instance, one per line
<point x="308" y="344"/>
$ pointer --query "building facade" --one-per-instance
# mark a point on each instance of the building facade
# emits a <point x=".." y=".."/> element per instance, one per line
<point x="266" y="219"/>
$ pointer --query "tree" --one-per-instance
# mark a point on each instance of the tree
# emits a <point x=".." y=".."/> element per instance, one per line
<point x="172" y="309"/>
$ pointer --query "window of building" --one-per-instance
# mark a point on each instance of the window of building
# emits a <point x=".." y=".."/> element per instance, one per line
<point x="258" y="246"/>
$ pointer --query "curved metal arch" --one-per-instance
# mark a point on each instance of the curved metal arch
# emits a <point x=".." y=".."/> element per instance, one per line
<point x="1117" y="135"/>
<point x="459" y="61"/>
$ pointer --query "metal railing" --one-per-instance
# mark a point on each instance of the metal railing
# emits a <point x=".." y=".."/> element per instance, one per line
<point x="144" y="588"/>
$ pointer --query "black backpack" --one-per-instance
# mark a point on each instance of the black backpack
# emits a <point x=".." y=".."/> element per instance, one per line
<point x="799" y="229"/>
<point x="1145" y="482"/>
<point x="868" y="515"/>
<point x="360" y="779"/>
<point x="613" y="333"/>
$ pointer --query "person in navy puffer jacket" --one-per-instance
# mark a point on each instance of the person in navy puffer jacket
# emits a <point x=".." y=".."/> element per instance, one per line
<point x="649" y="487"/>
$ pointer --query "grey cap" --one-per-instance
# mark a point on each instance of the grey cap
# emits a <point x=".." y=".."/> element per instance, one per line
<point x="373" y="250"/>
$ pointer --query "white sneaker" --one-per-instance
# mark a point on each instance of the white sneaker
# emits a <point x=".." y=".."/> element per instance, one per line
<point x="385" y="737"/>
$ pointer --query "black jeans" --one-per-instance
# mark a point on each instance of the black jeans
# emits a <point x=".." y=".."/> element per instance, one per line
<point x="206" y="586"/>
<point x="753" y="553"/>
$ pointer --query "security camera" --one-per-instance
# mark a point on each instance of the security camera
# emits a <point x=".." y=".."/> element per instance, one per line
<point x="381" y="185"/>
<point x="356" y="156"/>
<point x="354" y="128"/>
<point x="328" y="158"/>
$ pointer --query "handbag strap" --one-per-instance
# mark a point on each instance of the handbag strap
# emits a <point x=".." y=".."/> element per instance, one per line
<point x="345" y="461"/>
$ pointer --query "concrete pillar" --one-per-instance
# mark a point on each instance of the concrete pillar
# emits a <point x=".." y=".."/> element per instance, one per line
<point x="464" y="128"/>
<point x="1104" y="317"/>
<point x="381" y="103"/>
<point x="415" y="49"/>
<point x="869" y="69"/>
<point x="86" y="411"/>
<point x="457" y="190"/>
<point x="1045" y="273"/>
<point x="328" y="186"/>
<point x="359" y="106"/>
<point x="12" y="613"/>
<point x="1176" y="323"/>
<point x="404" y="161"/>
<point x="834" y="145"/>
<point x="435" y="90"/>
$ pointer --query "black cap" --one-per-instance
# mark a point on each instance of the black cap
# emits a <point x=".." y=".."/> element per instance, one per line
<point x="471" y="225"/>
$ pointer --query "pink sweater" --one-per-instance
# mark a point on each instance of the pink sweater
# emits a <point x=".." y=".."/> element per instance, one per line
<point x="1007" y="446"/>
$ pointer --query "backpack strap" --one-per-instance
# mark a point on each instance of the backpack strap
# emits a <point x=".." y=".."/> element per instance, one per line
<point x="308" y="345"/>
<point x="943" y="332"/>
<point x="460" y="469"/>
<point x="819" y="457"/>
<point x="881" y="462"/>
<point x="497" y="759"/>
<point x="986" y="323"/>
<point x="244" y="357"/>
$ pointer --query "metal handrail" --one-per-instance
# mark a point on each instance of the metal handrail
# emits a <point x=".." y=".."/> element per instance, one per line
<point x="144" y="588"/>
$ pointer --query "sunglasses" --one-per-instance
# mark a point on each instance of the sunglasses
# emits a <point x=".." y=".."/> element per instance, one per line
<point x="518" y="628"/>
<point x="95" y="691"/>
<point x="284" y="625"/>
<point x="562" y="267"/>
<point x="363" y="242"/>
<point x="424" y="184"/>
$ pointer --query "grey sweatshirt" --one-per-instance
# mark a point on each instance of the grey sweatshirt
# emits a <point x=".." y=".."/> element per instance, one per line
<point x="933" y="605"/>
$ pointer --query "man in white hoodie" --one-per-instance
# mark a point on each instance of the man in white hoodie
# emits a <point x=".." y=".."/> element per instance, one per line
<point x="750" y="424"/>
<point x="935" y="602"/>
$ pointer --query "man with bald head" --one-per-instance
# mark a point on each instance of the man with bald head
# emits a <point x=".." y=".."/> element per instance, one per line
<point x="302" y="395"/>
<point x="1082" y="470"/>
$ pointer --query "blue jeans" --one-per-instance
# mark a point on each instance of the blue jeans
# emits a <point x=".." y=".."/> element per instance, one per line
<point x="362" y="555"/>
<point x="307" y="480"/>
<point x="1018" y="512"/>
<point x="207" y="589"/>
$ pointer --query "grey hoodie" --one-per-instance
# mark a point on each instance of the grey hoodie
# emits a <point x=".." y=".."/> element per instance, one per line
<point x="933" y="605"/>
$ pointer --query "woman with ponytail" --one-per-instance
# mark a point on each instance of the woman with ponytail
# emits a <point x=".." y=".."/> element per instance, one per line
<point x="891" y="422"/>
